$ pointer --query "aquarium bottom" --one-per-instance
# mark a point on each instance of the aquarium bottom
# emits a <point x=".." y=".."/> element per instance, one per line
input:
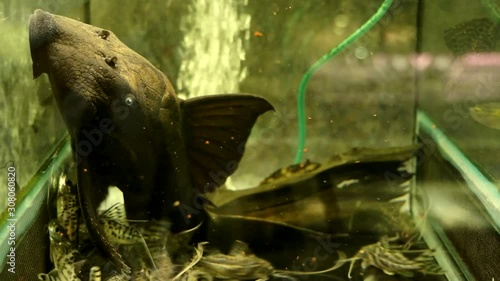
<point x="366" y="223"/>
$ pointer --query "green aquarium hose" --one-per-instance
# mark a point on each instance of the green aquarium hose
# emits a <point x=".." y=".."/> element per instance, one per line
<point x="301" y="98"/>
<point x="493" y="9"/>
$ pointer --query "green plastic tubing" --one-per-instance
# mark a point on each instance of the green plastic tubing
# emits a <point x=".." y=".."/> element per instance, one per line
<point x="493" y="9"/>
<point x="301" y="97"/>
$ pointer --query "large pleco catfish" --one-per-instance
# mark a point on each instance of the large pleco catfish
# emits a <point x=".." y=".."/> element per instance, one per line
<point x="129" y="129"/>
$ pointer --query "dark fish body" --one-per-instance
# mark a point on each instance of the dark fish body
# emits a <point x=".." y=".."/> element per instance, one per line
<point x="156" y="234"/>
<point x="129" y="129"/>
<point x="293" y="170"/>
<point x="95" y="265"/>
<point x="118" y="277"/>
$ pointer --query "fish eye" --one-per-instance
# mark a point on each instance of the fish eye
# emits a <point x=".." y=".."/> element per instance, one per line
<point x="58" y="230"/>
<point x="129" y="100"/>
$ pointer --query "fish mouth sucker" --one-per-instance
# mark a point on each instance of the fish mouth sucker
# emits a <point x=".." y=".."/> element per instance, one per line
<point x="42" y="32"/>
<point x="58" y="48"/>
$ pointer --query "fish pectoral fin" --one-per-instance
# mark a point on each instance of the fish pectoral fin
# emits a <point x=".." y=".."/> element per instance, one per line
<point x="216" y="129"/>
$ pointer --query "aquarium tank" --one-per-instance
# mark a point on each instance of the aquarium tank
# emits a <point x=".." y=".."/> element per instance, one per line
<point x="249" y="140"/>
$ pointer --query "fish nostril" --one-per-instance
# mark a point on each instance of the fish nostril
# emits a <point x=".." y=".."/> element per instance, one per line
<point x="104" y="34"/>
<point x="111" y="61"/>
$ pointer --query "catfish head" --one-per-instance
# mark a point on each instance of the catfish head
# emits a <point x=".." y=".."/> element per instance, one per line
<point x="129" y="129"/>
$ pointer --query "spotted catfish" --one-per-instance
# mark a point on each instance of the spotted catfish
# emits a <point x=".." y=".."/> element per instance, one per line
<point x="62" y="253"/>
<point x="117" y="228"/>
<point x="144" y="260"/>
<point x="68" y="209"/>
<point x="241" y="264"/>
<point x="129" y="129"/>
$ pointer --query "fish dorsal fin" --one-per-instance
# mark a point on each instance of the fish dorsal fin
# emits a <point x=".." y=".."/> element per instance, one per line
<point x="116" y="212"/>
<point x="216" y="129"/>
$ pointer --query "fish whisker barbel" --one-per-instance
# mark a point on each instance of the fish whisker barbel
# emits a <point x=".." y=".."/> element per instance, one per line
<point x="340" y="262"/>
<point x="194" y="261"/>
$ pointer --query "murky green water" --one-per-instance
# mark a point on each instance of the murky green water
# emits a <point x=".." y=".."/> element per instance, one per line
<point x="366" y="96"/>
